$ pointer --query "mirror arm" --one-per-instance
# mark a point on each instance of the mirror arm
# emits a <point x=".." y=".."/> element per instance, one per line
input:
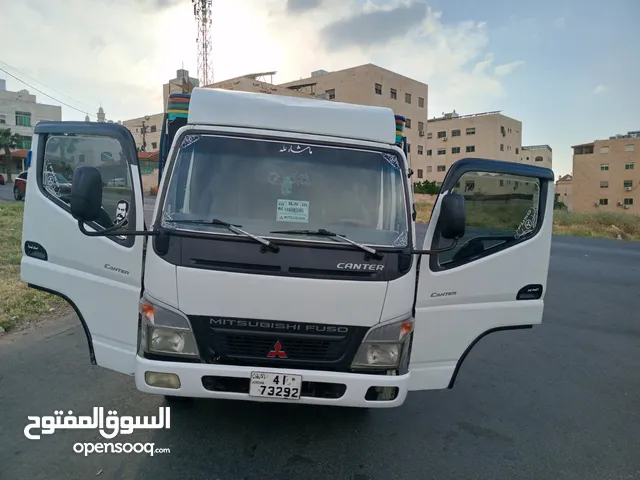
<point x="435" y="252"/>
<point x="116" y="232"/>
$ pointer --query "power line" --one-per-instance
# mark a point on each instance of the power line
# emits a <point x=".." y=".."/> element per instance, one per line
<point x="43" y="93"/>
<point x="38" y="81"/>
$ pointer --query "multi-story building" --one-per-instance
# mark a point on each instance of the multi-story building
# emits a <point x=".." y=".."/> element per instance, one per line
<point x="373" y="85"/>
<point x="20" y="112"/>
<point x="564" y="190"/>
<point x="182" y="83"/>
<point x="605" y="177"/>
<point x="452" y="137"/>
<point x="538" y="155"/>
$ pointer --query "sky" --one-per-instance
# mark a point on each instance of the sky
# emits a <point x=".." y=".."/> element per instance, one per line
<point x="567" y="69"/>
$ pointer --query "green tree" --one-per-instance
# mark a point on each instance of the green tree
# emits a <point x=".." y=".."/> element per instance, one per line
<point x="427" y="187"/>
<point x="8" y="141"/>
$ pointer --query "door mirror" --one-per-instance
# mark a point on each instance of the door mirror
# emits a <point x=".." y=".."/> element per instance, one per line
<point x="452" y="216"/>
<point x="86" y="194"/>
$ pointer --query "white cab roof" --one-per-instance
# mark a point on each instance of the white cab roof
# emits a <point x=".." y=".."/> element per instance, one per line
<point x="213" y="106"/>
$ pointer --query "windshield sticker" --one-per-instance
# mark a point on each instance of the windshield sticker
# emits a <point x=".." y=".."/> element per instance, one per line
<point x="286" y="184"/>
<point x="167" y="220"/>
<point x="189" y="140"/>
<point x="528" y="224"/>
<point x="392" y="160"/>
<point x="51" y="184"/>
<point x="296" y="211"/>
<point x="296" y="149"/>
<point x="401" y="240"/>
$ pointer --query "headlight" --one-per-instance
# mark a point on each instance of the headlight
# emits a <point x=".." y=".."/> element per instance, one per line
<point x="165" y="330"/>
<point x="384" y="345"/>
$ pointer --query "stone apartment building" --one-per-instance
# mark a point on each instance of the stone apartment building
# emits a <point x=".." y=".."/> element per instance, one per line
<point x="452" y="136"/>
<point x="605" y="177"/>
<point x="564" y="190"/>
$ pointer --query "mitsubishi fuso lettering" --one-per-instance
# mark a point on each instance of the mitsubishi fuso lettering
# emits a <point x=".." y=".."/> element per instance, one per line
<point x="281" y="260"/>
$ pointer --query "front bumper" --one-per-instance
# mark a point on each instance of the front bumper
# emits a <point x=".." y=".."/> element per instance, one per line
<point x="205" y="380"/>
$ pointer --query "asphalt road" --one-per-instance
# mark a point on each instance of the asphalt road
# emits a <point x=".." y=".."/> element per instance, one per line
<point x="561" y="401"/>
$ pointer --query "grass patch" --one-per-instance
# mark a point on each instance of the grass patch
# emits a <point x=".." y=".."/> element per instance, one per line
<point x="594" y="225"/>
<point x="19" y="304"/>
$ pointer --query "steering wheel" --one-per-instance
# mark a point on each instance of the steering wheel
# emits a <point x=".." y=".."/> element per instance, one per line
<point x="353" y="221"/>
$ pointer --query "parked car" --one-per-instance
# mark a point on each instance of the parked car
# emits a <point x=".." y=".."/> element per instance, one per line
<point x="1" y="179"/>
<point x="20" y="186"/>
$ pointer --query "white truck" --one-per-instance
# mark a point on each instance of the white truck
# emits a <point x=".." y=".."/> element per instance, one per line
<point x="281" y="261"/>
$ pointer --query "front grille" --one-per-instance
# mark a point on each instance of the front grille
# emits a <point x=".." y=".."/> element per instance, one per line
<point x="274" y="344"/>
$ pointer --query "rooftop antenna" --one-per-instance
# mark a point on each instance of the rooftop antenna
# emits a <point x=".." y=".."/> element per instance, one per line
<point x="202" y="13"/>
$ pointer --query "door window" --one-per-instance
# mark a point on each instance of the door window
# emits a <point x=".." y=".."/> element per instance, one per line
<point x="63" y="154"/>
<point x="501" y="210"/>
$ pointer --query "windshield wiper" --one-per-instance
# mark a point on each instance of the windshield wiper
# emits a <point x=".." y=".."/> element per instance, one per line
<point x="235" y="229"/>
<point x="321" y="232"/>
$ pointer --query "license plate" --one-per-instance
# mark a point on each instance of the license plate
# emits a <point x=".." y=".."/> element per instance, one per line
<point x="275" y="385"/>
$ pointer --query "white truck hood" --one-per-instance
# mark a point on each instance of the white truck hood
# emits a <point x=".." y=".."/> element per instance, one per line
<point x="224" y="294"/>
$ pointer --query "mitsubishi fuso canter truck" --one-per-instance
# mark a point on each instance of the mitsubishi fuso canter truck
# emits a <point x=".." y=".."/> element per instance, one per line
<point x="281" y="262"/>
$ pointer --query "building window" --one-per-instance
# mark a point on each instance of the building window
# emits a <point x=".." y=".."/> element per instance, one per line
<point x="378" y="89"/>
<point x="154" y="145"/>
<point x="81" y="158"/>
<point x="420" y="149"/>
<point x="442" y="151"/>
<point x="455" y="133"/>
<point x="429" y="153"/>
<point x="429" y="168"/>
<point x="628" y="201"/>
<point x="628" y="184"/>
<point x="429" y="135"/>
<point x="539" y="159"/>
<point x="442" y="134"/>
<point x="604" y="201"/>
<point x="442" y="168"/>
<point x="408" y="123"/>
<point x="629" y="166"/>
<point x="331" y="93"/>
<point x="627" y="148"/>
<point x="604" y="184"/>
<point x="154" y="128"/>
<point x="23" y="119"/>
<point x="604" y="149"/>
<point x="470" y="148"/>
<point x="421" y="126"/>
<point x="393" y="93"/>
<point x="421" y="102"/>
<point x="469" y="186"/>
<point x="502" y="147"/>
<point x="407" y="98"/>
<point x="509" y="148"/>
<point x="584" y="150"/>
<point x="24" y="143"/>
<point x="419" y="173"/>
<point x="455" y="150"/>
<point x="604" y="167"/>
<point x="3" y="118"/>
<point x="408" y="148"/>
<point x="517" y="150"/>
<point x="470" y="131"/>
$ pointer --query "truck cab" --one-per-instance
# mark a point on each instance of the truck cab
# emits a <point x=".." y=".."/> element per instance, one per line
<point x="281" y="262"/>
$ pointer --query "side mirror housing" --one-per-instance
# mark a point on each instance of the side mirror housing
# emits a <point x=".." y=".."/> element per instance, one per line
<point x="452" y="218"/>
<point x="86" y="194"/>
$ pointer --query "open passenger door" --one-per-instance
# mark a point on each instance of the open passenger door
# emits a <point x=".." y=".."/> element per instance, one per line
<point x="494" y="278"/>
<point x="101" y="277"/>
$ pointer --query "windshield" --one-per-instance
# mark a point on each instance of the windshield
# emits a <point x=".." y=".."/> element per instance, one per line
<point x="266" y="186"/>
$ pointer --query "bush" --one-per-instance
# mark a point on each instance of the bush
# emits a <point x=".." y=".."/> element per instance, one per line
<point x="426" y="187"/>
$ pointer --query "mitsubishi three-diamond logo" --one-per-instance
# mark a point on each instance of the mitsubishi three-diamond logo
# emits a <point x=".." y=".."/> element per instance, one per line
<point x="277" y="351"/>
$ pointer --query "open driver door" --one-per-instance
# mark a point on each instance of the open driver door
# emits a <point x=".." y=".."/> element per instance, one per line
<point x="101" y="277"/>
<point x="495" y="276"/>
